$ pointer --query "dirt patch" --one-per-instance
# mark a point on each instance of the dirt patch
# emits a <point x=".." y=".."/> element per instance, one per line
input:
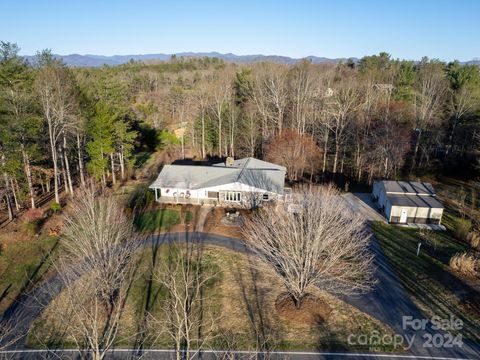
<point x="214" y="225"/>
<point x="313" y="310"/>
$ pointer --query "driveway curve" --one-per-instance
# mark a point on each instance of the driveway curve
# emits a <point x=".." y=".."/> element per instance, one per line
<point x="388" y="302"/>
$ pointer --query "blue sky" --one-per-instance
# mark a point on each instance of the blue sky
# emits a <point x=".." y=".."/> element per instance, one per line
<point x="405" y="28"/>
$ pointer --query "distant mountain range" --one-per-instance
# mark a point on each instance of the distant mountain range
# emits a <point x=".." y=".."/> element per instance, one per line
<point x="77" y="60"/>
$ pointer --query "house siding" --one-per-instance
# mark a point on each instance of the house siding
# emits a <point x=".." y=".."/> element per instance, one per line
<point x="250" y="196"/>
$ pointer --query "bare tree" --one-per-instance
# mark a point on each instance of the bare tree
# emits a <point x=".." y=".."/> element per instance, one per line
<point x="315" y="241"/>
<point x="186" y="110"/>
<point x="270" y="97"/>
<point x="430" y="92"/>
<point x="203" y="98"/>
<point x="340" y="108"/>
<point x="56" y="92"/>
<point x="222" y="93"/>
<point x="187" y="316"/>
<point x="297" y="152"/>
<point x="301" y="92"/>
<point x="363" y="124"/>
<point x="96" y="270"/>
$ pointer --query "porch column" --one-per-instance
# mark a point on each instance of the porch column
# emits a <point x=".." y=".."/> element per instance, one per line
<point x="156" y="195"/>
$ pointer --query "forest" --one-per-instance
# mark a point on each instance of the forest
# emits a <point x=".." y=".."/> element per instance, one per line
<point x="375" y="118"/>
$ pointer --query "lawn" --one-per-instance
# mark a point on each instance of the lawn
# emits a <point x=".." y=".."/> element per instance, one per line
<point x="428" y="278"/>
<point x="242" y="300"/>
<point x="154" y="220"/>
<point x="22" y="263"/>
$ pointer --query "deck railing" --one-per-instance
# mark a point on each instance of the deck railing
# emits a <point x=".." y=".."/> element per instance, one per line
<point x="183" y="200"/>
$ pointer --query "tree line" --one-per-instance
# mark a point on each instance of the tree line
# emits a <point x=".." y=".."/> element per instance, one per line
<point x="375" y="118"/>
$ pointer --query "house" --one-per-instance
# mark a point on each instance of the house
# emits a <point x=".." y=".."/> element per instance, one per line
<point x="245" y="183"/>
<point x="408" y="202"/>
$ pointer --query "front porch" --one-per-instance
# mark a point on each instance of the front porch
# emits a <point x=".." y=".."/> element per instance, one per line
<point x="183" y="200"/>
<point x="225" y="198"/>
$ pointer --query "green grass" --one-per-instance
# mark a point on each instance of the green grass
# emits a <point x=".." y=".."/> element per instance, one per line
<point x="151" y="221"/>
<point x="22" y="264"/>
<point x="427" y="278"/>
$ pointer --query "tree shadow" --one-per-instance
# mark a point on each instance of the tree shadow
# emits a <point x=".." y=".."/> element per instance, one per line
<point x="150" y="294"/>
<point x="254" y="300"/>
<point x="5" y="292"/>
<point x="334" y="343"/>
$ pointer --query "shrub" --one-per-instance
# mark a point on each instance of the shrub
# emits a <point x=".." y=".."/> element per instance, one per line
<point x="33" y="220"/>
<point x="31" y="227"/>
<point x="55" y="207"/>
<point x="461" y="228"/>
<point x="473" y="239"/>
<point x="464" y="264"/>
<point x="33" y="215"/>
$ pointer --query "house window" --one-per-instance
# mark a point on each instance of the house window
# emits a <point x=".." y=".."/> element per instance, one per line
<point x="265" y="196"/>
<point x="233" y="196"/>
<point x="212" y="194"/>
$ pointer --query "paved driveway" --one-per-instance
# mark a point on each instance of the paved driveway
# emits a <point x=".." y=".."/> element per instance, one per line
<point x="362" y="203"/>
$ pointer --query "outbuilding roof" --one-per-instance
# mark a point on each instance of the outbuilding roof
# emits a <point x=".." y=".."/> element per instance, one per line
<point x="408" y="187"/>
<point x="249" y="171"/>
<point x="414" y="201"/>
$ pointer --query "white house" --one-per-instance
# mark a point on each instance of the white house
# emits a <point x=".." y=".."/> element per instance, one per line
<point x="245" y="182"/>
<point x="408" y="202"/>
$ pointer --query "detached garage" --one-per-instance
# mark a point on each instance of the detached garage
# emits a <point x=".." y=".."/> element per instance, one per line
<point x="405" y="202"/>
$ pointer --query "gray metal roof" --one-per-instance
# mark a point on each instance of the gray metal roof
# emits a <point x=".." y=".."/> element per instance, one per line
<point x="414" y="201"/>
<point x="252" y="163"/>
<point x="249" y="171"/>
<point x="408" y="187"/>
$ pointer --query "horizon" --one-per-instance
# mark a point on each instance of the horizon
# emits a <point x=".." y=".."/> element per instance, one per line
<point x="263" y="55"/>
<point x="351" y="29"/>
